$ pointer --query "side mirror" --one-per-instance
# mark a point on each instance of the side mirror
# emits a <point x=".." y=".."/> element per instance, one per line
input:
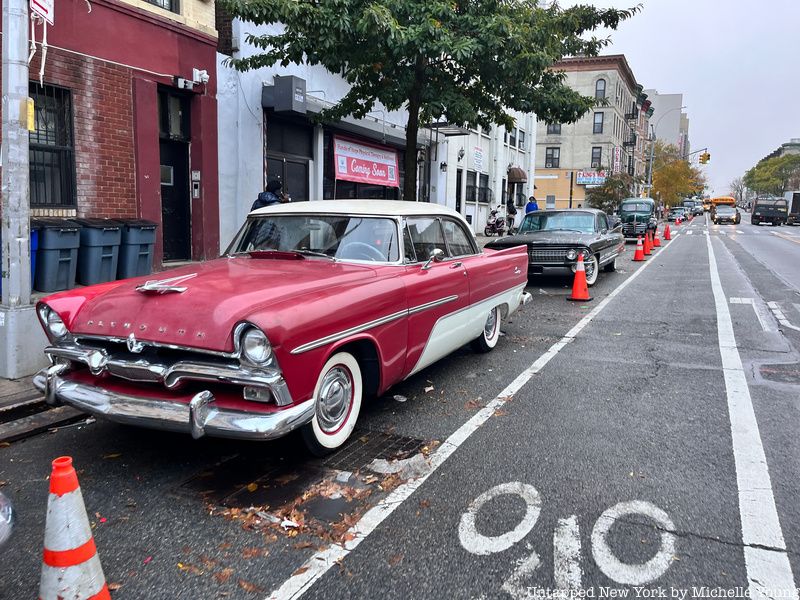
<point x="437" y="255"/>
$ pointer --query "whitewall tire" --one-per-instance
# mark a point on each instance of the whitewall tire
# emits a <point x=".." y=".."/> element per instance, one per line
<point x="491" y="332"/>
<point x="337" y="404"/>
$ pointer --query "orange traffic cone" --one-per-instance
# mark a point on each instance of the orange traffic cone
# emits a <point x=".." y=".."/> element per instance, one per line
<point x="647" y="247"/>
<point x="71" y="567"/>
<point x="656" y="241"/>
<point x="667" y="235"/>
<point x="639" y="254"/>
<point x="580" y="290"/>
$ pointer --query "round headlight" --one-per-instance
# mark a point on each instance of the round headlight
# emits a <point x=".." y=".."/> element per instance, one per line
<point x="55" y="326"/>
<point x="255" y="346"/>
<point x="572" y="254"/>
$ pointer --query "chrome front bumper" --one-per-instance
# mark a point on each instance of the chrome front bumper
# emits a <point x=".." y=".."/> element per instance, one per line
<point x="199" y="417"/>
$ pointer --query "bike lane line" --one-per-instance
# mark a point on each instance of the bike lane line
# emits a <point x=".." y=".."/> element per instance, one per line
<point x="768" y="570"/>
<point x="322" y="561"/>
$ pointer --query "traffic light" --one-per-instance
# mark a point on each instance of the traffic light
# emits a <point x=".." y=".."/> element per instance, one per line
<point x="704" y="158"/>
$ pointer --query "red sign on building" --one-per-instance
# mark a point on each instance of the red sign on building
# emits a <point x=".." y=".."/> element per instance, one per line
<point x="364" y="163"/>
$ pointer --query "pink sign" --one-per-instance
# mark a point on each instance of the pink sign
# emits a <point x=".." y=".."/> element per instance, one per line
<point x="364" y="163"/>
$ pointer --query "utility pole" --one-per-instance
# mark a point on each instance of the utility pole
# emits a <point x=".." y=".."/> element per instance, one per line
<point x="17" y="315"/>
<point x="571" y="178"/>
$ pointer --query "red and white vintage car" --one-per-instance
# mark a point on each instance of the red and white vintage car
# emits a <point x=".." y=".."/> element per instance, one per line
<point x="314" y="306"/>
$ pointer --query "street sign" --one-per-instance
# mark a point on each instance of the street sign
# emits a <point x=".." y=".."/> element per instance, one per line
<point x="590" y="177"/>
<point x="43" y="8"/>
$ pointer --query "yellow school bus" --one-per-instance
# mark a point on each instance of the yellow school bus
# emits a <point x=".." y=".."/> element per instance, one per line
<point x="729" y="200"/>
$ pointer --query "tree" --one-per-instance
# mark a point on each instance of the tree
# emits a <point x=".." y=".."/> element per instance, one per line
<point x="673" y="177"/>
<point x="608" y="196"/>
<point x="464" y="61"/>
<point x="738" y="189"/>
<point x="775" y="175"/>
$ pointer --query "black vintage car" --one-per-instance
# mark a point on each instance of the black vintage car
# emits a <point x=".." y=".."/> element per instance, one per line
<point x="555" y="238"/>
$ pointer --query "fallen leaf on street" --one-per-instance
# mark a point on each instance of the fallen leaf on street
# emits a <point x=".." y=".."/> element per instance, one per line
<point x="249" y="587"/>
<point x="428" y="388"/>
<point x="223" y="575"/>
<point x="471" y="404"/>
<point x="500" y="412"/>
<point x="303" y="545"/>
<point x="113" y="587"/>
<point x="395" y="560"/>
<point x="400" y="398"/>
<point x="4" y="444"/>
<point x="300" y="571"/>
<point x="113" y="455"/>
<point x="252" y="487"/>
<point x="252" y="552"/>
<point x="147" y="560"/>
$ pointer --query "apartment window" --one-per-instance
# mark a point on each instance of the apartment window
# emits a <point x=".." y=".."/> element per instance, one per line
<point x="597" y="157"/>
<point x="486" y="130"/>
<point x="550" y="202"/>
<point x="600" y="89"/>
<point x="513" y="139"/>
<point x="598" y="123"/>
<point x="484" y="194"/>
<point x="551" y="158"/>
<point x="52" y="148"/>
<point x="521" y="140"/>
<point x="472" y="188"/>
<point x="554" y="129"/>
<point x="170" y="5"/>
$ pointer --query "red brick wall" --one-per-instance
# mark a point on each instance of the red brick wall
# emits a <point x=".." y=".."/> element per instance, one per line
<point x="103" y="128"/>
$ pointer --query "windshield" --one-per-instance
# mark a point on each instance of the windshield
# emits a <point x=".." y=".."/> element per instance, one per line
<point x="558" y="221"/>
<point x="372" y="239"/>
<point x="725" y="210"/>
<point x="635" y="207"/>
<point x="678" y="209"/>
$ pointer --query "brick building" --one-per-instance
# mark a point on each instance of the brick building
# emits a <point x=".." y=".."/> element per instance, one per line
<point x="126" y="121"/>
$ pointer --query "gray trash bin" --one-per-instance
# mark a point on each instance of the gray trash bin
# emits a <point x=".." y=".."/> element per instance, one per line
<point x="99" y="251"/>
<point x="57" y="256"/>
<point x="136" y="249"/>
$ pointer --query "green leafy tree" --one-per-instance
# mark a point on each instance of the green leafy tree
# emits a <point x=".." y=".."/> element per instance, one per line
<point x="608" y="196"/>
<point x="673" y="177"/>
<point x="775" y="175"/>
<point x="467" y="62"/>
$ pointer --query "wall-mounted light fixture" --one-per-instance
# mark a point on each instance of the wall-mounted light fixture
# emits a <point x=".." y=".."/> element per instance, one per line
<point x="443" y="166"/>
<point x="460" y="154"/>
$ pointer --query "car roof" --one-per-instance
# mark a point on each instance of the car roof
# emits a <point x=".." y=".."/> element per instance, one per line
<point x="387" y="208"/>
<point x="560" y="210"/>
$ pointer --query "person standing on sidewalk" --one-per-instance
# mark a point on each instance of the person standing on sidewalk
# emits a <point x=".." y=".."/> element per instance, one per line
<point x="532" y="205"/>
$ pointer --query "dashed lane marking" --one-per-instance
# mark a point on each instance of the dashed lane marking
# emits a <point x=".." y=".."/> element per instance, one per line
<point x="322" y="561"/>
<point x="768" y="569"/>
<point x="778" y="312"/>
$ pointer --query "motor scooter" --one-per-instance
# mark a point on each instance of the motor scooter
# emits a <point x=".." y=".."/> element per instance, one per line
<point x="494" y="224"/>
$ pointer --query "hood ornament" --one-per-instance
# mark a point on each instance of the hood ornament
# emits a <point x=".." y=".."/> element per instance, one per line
<point x="163" y="286"/>
<point x="134" y="346"/>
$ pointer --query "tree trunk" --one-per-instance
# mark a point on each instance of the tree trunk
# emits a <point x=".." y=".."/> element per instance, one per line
<point x="412" y="128"/>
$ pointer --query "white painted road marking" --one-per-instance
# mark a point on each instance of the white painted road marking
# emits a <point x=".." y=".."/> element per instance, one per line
<point x="756" y="308"/>
<point x="626" y="573"/>
<point x="482" y="545"/>
<point x="321" y="561"/>
<point x="768" y="568"/>
<point x="776" y="310"/>
<point x="567" y="555"/>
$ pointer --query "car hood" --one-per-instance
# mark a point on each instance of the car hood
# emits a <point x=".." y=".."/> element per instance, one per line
<point x="544" y="238"/>
<point x="219" y="294"/>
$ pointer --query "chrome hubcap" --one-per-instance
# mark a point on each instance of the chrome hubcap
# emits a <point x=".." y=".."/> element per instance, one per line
<point x="589" y="267"/>
<point x="491" y="323"/>
<point x="335" y="397"/>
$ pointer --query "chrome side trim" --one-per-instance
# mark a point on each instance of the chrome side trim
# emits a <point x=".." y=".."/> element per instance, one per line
<point x="335" y="337"/>
<point x="200" y="417"/>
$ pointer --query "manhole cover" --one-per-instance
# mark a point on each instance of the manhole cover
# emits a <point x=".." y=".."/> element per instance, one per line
<point x="365" y="446"/>
<point x="781" y="373"/>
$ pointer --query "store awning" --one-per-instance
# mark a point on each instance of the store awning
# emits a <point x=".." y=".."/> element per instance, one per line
<point x="517" y="175"/>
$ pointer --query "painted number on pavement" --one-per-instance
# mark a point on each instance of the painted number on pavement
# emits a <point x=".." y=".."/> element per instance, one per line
<point x="567" y="570"/>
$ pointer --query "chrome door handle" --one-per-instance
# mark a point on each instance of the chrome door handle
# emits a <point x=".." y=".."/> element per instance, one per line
<point x="517" y="271"/>
<point x="455" y="265"/>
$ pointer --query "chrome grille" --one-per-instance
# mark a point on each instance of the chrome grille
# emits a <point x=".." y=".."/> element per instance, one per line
<point x="547" y="255"/>
<point x="631" y="228"/>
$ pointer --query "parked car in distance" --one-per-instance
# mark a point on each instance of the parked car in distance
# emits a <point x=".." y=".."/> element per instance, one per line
<point x="726" y="214"/>
<point x="314" y="307"/>
<point x="793" y="203"/>
<point x="769" y="210"/>
<point x="638" y="216"/>
<point x="555" y="238"/>
<point x="675" y="213"/>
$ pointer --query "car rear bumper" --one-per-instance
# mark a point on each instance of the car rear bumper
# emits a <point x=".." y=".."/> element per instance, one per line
<point x="201" y="416"/>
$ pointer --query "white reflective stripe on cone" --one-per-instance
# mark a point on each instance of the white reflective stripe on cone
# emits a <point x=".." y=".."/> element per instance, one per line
<point x="67" y="524"/>
<point x="80" y="582"/>
<point x="580" y="266"/>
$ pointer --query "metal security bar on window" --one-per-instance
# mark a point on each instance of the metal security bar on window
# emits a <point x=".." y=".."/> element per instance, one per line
<point x="52" y="148"/>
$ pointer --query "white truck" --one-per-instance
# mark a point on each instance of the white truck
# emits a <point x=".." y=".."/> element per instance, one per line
<point x="793" y="200"/>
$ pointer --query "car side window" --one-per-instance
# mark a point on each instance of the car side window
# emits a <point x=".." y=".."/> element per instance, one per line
<point x="426" y="236"/>
<point x="457" y="239"/>
<point x="602" y="223"/>
<point x="409" y="255"/>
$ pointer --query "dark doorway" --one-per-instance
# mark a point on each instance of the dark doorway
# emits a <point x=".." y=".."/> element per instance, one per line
<point x="293" y="173"/>
<point x="175" y="209"/>
<point x="459" y="175"/>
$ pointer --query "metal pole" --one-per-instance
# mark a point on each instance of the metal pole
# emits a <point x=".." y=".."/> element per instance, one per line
<point x="570" y="187"/>
<point x="652" y="152"/>
<point x="15" y="229"/>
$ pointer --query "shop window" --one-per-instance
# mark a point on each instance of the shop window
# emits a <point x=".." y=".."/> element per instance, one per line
<point x="292" y="139"/>
<point x="52" y="148"/>
<point x="340" y="189"/>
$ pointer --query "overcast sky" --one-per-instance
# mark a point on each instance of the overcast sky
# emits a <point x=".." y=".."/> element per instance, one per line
<point x="737" y="64"/>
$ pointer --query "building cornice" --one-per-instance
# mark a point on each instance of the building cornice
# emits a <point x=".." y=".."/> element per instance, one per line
<point x="588" y="63"/>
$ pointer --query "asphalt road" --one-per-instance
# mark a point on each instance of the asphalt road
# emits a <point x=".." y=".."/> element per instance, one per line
<point x="590" y="454"/>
